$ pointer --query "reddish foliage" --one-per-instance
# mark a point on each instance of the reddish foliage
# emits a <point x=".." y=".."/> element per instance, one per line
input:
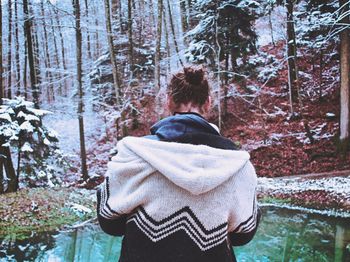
<point x="247" y="122"/>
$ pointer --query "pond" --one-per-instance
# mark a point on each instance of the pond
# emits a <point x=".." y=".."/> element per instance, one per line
<point x="284" y="235"/>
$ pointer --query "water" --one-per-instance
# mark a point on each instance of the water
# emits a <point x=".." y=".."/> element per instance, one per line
<point x="283" y="235"/>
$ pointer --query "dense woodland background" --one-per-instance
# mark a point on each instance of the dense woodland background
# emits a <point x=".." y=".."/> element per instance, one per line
<point x="279" y="72"/>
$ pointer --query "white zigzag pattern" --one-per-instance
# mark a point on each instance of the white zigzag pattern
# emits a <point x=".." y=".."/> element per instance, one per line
<point x="155" y="233"/>
<point x="104" y="210"/>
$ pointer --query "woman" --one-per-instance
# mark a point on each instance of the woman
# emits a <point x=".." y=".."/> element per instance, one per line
<point x="183" y="193"/>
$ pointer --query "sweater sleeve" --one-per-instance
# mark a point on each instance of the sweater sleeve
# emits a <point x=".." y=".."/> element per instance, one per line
<point x="243" y="238"/>
<point x="123" y="190"/>
<point x="115" y="226"/>
<point x="245" y="216"/>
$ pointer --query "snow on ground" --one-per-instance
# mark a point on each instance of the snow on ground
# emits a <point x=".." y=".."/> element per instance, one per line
<point x="64" y="121"/>
<point x="332" y="185"/>
<point x="262" y="25"/>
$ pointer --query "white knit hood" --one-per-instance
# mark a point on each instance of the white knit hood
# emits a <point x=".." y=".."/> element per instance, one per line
<point x="195" y="168"/>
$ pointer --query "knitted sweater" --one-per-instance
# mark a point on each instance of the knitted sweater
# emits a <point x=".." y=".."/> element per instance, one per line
<point x="178" y="201"/>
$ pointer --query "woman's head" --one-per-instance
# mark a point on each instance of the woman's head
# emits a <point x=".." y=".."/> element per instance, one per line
<point x="188" y="91"/>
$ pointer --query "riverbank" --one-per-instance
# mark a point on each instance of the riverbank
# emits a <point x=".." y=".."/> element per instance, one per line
<point x="44" y="209"/>
<point x="48" y="209"/>
<point x="324" y="193"/>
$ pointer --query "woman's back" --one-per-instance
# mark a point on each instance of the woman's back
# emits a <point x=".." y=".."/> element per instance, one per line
<point x="181" y="194"/>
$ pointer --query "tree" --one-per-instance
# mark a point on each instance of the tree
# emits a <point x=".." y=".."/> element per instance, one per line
<point x="87" y="29"/>
<point x="173" y="33"/>
<point x="22" y="129"/>
<point x="63" y="54"/>
<point x="9" y="50"/>
<point x="17" y="55"/>
<point x="157" y="56"/>
<point x="116" y="79"/>
<point x="131" y="45"/>
<point x="344" y="76"/>
<point x="47" y="60"/>
<point x="1" y="65"/>
<point x="78" y="39"/>
<point x="293" y="83"/>
<point x="1" y="96"/>
<point x="28" y="36"/>
<point x="315" y="35"/>
<point x="236" y="35"/>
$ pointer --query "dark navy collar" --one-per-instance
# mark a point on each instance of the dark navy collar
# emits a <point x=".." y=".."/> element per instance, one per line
<point x="186" y="113"/>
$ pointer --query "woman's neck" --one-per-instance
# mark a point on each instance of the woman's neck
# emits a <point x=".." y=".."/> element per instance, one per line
<point x="188" y="108"/>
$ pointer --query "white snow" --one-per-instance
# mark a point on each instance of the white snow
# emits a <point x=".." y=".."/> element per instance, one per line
<point x="80" y="209"/>
<point x="26" y="148"/>
<point x="28" y="117"/>
<point x="5" y="116"/>
<point x="332" y="185"/>
<point x="27" y="126"/>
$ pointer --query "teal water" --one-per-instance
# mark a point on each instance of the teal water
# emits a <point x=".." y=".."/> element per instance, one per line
<point x="283" y="235"/>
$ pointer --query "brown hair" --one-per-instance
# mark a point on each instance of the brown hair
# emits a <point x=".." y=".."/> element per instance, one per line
<point x="189" y="85"/>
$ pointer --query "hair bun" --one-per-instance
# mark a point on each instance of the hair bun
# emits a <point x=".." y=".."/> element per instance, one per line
<point x="194" y="76"/>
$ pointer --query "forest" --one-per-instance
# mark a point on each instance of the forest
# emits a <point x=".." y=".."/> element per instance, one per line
<point x="77" y="76"/>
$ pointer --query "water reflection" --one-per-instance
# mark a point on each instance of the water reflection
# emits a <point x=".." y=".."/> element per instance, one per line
<point x="284" y="235"/>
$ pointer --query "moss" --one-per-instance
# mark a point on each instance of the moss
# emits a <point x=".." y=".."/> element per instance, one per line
<point x="274" y="200"/>
<point x="19" y="219"/>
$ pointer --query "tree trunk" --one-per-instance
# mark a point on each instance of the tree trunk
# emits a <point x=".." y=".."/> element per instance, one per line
<point x="61" y="39"/>
<point x="63" y="56"/>
<point x="87" y="29"/>
<point x="271" y="29"/>
<point x="291" y="52"/>
<point x="131" y="45"/>
<point x="57" y="60"/>
<point x="1" y="64"/>
<point x="36" y="52"/>
<point x="97" y="38"/>
<point x="167" y="44"/>
<point x="142" y="22"/>
<point x="189" y="13"/>
<point x="28" y="35"/>
<point x="157" y="56"/>
<point x="116" y="79"/>
<point x="78" y="38"/>
<point x="151" y="13"/>
<point x="183" y="12"/>
<point x="344" y="79"/>
<point x="25" y="67"/>
<point x="17" y="57"/>
<point x="321" y="76"/>
<point x="9" y="51"/>
<point x="173" y="32"/>
<point x="218" y="69"/>
<point x="48" y="74"/>
<point x="9" y="169"/>
<point x="227" y="59"/>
